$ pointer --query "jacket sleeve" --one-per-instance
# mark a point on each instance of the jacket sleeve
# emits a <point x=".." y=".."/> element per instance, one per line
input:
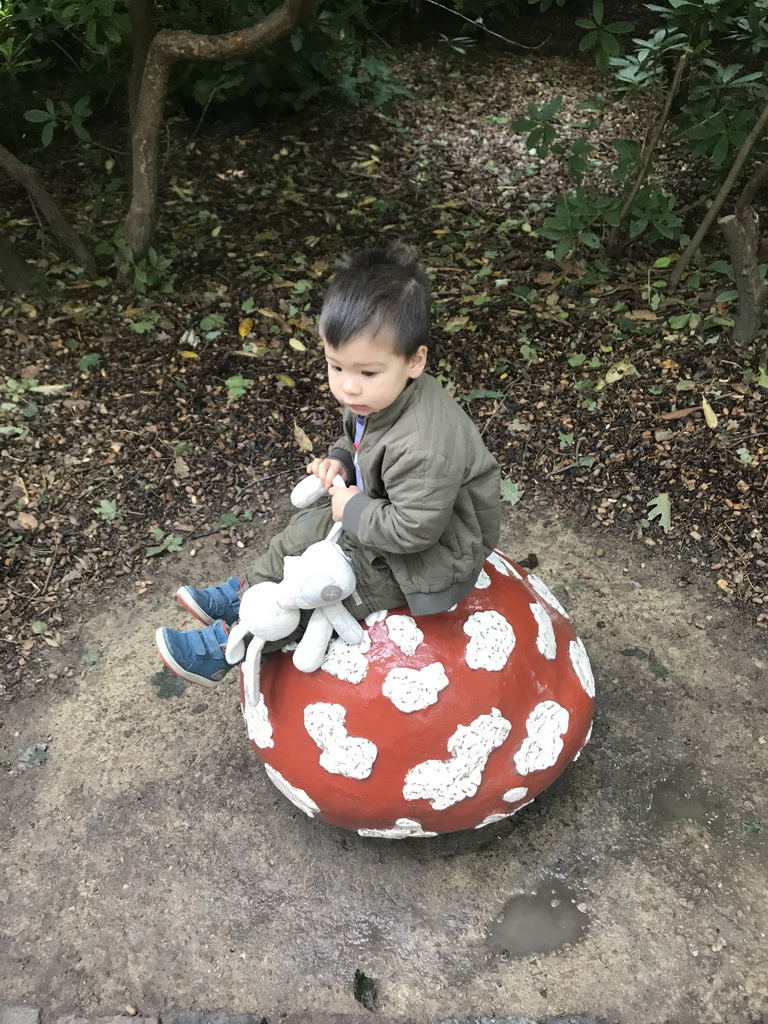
<point x="421" y="487"/>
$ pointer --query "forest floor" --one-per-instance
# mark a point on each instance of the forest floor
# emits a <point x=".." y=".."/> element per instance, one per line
<point x="137" y="425"/>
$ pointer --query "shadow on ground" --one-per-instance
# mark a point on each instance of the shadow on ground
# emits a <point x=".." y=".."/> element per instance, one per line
<point x="148" y="860"/>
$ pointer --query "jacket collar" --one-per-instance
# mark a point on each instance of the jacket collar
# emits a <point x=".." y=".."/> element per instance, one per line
<point x="381" y="421"/>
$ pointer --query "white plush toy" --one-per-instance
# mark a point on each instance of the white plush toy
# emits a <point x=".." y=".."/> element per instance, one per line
<point x="319" y="579"/>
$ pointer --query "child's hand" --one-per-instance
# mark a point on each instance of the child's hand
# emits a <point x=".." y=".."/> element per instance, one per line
<point x="326" y="470"/>
<point x="339" y="498"/>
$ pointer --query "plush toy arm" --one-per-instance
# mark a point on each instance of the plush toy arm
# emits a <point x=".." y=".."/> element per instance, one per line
<point x="310" y="652"/>
<point x="346" y="625"/>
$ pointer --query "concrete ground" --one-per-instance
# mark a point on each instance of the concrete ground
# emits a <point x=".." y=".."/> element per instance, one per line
<point x="150" y="862"/>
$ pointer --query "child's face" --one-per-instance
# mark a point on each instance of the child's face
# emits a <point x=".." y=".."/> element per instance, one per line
<point x="367" y="374"/>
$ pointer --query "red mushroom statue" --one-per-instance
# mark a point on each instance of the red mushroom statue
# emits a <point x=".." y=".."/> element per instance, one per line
<point x="450" y="722"/>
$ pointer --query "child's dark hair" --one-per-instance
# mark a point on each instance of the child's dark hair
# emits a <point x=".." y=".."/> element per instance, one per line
<point x="374" y="289"/>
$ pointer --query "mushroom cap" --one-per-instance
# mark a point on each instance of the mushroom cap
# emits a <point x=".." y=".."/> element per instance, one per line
<point x="448" y="722"/>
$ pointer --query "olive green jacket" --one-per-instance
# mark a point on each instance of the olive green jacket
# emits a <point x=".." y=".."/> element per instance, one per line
<point x="431" y="506"/>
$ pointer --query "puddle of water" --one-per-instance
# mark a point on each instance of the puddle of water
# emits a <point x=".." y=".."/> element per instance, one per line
<point x="542" y="923"/>
<point x="680" y="797"/>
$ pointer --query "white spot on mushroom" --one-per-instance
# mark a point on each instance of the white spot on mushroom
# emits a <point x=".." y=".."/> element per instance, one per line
<point x="342" y="754"/>
<point x="504" y="567"/>
<point x="404" y="828"/>
<point x="347" y="661"/>
<point x="495" y="817"/>
<point x="581" y="665"/>
<point x="493" y="640"/>
<point x="295" y="795"/>
<point x="545" y="640"/>
<point x="258" y="724"/>
<point x="543" y="744"/>
<point x="404" y="632"/>
<point x="578" y="754"/>
<point x="412" y="689"/>
<point x="483" y="580"/>
<point x="374" y="617"/>
<point x="544" y="592"/>
<point x="513" y="795"/>
<point x="445" y="783"/>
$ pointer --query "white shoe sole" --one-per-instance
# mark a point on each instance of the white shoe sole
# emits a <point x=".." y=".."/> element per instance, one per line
<point x="177" y="670"/>
<point x="186" y="600"/>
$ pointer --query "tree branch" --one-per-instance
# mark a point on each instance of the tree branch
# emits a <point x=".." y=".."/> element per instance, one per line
<point x="717" y="203"/>
<point x="650" y="150"/>
<point x="750" y="189"/>
<point x="60" y="226"/>
<point x="166" y="49"/>
<point x="488" y="31"/>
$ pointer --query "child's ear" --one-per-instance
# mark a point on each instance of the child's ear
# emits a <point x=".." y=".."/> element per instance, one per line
<point x="417" y="362"/>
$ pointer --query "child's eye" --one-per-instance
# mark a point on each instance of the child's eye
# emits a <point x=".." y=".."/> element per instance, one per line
<point x="370" y="373"/>
<point x="337" y="369"/>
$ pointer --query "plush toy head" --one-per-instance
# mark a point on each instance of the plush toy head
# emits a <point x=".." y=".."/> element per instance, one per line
<point x="319" y="577"/>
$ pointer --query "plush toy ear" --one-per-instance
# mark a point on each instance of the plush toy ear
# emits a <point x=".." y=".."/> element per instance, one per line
<point x="235" y="651"/>
<point x="252" y="673"/>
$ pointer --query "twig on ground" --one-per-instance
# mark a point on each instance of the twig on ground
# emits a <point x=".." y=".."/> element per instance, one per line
<point x="50" y="569"/>
<point x="571" y="465"/>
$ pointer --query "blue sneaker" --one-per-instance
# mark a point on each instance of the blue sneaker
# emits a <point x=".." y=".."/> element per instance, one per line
<point x="196" y="655"/>
<point x="221" y="602"/>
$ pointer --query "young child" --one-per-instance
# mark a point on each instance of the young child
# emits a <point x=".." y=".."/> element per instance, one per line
<point x="422" y="508"/>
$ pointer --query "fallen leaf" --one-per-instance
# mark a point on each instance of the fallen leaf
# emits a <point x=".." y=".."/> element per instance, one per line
<point x="640" y="314"/>
<point x="245" y="327"/>
<point x="27" y="521"/>
<point x="678" y="414"/>
<point x="545" y="277"/>
<point x="18" y="492"/>
<point x="298" y="345"/>
<point x="511" y="491"/>
<point x="187" y="353"/>
<point x="660" y="508"/>
<point x="709" y="414"/>
<point x="302" y="440"/>
<point x="285" y="379"/>
<point x="180" y="468"/>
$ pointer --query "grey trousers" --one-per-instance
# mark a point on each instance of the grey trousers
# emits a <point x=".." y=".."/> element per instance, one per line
<point x="376" y="587"/>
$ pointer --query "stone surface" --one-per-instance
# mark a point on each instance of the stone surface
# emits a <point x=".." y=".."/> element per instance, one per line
<point x="573" y="1018"/>
<point x="153" y="863"/>
<point x="488" y="1020"/>
<point x="20" y="1014"/>
<point x="120" y="1019"/>
<point x="210" y="1017"/>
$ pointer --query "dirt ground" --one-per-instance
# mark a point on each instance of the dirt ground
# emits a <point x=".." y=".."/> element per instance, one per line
<point x="149" y="861"/>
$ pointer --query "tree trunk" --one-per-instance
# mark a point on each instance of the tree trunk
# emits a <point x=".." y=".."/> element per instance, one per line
<point x="49" y="208"/>
<point x="626" y="208"/>
<point x="142" y="17"/>
<point x="743" y="236"/>
<point x="13" y="269"/>
<point x="166" y="49"/>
